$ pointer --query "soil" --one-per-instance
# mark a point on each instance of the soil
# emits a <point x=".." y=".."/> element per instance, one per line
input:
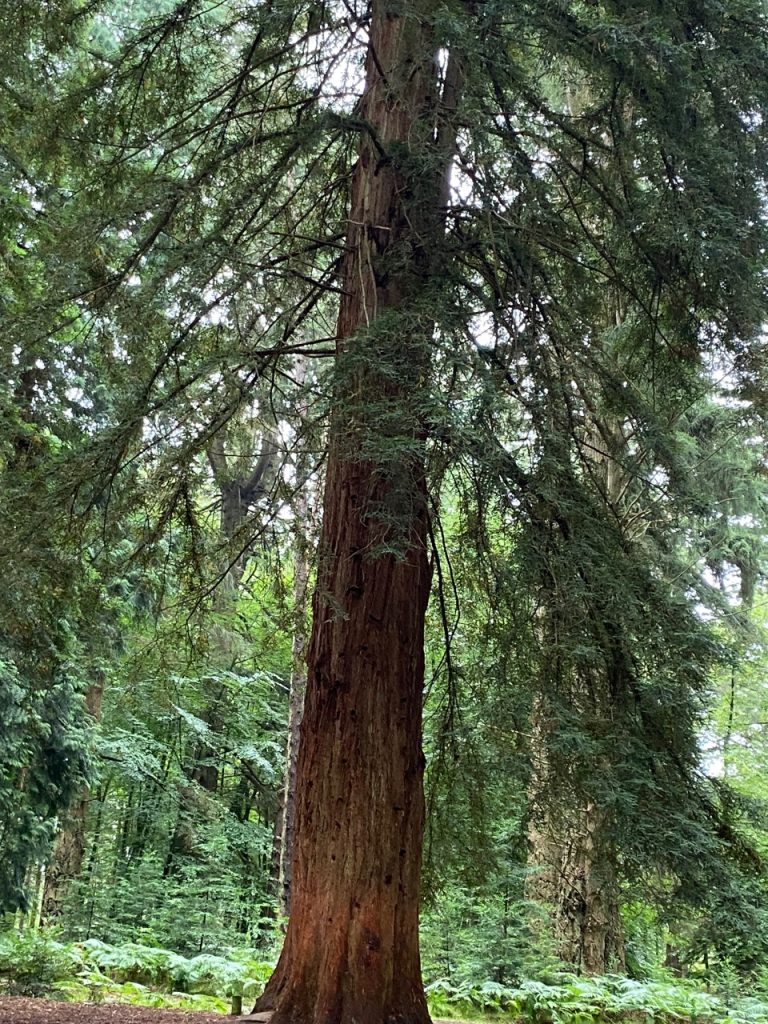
<point x="19" y="1010"/>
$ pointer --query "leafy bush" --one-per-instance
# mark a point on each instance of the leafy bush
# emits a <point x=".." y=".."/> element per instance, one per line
<point x="96" y="988"/>
<point x="134" y="963"/>
<point x="32" y="963"/>
<point x="467" y="935"/>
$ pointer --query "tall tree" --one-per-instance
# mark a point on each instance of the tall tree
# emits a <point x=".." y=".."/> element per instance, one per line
<point x="351" y="951"/>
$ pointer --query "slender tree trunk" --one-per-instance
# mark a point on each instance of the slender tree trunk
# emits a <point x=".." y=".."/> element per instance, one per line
<point x="298" y="683"/>
<point x="242" y="482"/>
<point x="572" y="854"/>
<point x="351" y="950"/>
<point x="66" y="860"/>
<point x="295" y="713"/>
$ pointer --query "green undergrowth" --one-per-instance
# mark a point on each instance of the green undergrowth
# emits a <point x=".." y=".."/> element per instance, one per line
<point x="37" y="964"/>
<point x="568" y="999"/>
<point x="94" y="971"/>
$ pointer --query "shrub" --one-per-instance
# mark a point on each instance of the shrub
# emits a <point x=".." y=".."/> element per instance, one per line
<point x="33" y="964"/>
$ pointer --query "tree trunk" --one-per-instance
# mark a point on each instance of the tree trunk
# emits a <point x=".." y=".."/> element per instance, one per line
<point x="576" y="878"/>
<point x="66" y="860"/>
<point x="242" y="482"/>
<point x="573" y="857"/>
<point x="351" y="951"/>
<point x="295" y="712"/>
<point x="298" y="683"/>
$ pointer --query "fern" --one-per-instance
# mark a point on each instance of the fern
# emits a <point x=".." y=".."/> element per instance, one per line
<point x="574" y="1000"/>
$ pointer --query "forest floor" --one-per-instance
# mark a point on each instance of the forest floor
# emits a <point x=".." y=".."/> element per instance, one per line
<point x="21" y="1010"/>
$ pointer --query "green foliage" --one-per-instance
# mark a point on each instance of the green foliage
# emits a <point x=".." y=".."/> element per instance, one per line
<point x="92" y="986"/>
<point x="42" y="761"/>
<point x="170" y="972"/>
<point x="32" y="963"/>
<point x="484" y="932"/>
<point x="567" y="999"/>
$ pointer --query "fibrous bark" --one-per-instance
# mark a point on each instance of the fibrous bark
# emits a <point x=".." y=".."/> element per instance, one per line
<point x="351" y="950"/>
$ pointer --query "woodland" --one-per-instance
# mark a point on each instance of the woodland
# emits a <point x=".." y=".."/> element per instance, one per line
<point x="382" y="446"/>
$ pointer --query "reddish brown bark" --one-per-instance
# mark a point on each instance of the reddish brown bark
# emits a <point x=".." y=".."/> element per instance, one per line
<point x="351" y="951"/>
